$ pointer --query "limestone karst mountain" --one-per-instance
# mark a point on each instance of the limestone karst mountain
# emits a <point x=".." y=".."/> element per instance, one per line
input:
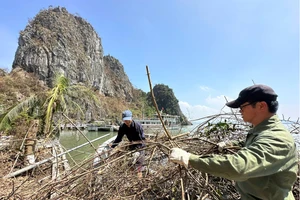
<point x="56" y="41"/>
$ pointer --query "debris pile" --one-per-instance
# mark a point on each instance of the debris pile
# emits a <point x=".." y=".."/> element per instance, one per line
<point x="116" y="177"/>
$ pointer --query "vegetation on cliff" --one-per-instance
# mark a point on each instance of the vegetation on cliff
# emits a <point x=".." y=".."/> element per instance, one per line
<point x="82" y="104"/>
<point x="166" y="101"/>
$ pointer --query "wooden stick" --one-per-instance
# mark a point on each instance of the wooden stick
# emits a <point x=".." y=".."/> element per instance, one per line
<point x="155" y="104"/>
<point x="80" y="132"/>
<point x="182" y="189"/>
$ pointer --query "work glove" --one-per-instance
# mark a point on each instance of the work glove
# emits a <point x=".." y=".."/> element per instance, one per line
<point x="180" y="156"/>
<point x="135" y="157"/>
<point x="221" y="146"/>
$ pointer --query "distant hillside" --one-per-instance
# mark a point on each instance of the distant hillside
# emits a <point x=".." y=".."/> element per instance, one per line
<point x="166" y="101"/>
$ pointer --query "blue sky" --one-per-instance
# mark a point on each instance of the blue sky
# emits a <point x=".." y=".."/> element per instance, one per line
<point x="203" y="50"/>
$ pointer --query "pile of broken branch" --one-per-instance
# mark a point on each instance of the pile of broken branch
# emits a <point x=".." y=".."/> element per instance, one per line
<point x="115" y="177"/>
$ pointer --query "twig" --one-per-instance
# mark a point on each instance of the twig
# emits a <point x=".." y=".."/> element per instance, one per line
<point x="80" y="132"/>
<point x="182" y="189"/>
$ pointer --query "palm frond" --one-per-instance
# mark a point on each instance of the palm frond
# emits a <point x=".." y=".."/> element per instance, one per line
<point x="55" y="99"/>
<point x="7" y="117"/>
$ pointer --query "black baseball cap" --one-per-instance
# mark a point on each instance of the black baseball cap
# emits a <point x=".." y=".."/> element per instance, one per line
<point x="253" y="94"/>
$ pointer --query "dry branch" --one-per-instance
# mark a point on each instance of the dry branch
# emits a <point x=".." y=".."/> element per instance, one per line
<point x="116" y="178"/>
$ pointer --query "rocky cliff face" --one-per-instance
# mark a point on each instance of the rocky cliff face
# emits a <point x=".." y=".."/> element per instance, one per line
<point x="116" y="83"/>
<point x="56" y="41"/>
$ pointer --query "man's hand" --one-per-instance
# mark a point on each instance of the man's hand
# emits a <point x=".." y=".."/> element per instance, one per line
<point x="180" y="156"/>
<point x="221" y="146"/>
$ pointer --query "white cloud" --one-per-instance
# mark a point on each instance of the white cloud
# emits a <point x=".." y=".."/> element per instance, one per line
<point x="212" y="106"/>
<point x="216" y="101"/>
<point x="204" y="88"/>
<point x="216" y="105"/>
<point x="197" y="111"/>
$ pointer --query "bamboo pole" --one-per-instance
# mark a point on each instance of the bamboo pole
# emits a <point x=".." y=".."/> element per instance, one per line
<point x="155" y="105"/>
<point x="48" y="159"/>
<point x="64" y="160"/>
<point x="20" y="150"/>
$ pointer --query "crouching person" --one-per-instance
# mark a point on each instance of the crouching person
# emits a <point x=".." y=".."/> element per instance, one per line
<point x="135" y="134"/>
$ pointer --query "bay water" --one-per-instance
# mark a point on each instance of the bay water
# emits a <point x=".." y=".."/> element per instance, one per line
<point x="70" y="139"/>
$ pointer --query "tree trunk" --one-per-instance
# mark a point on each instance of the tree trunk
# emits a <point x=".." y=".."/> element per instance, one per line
<point x="30" y="142"/>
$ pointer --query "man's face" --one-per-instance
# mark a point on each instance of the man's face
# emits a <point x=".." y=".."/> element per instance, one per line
<point x="127" y="122"/>
<point x="248" y="111"/>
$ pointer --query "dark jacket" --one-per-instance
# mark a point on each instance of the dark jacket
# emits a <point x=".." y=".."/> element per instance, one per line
<point x="134" y="133"/>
